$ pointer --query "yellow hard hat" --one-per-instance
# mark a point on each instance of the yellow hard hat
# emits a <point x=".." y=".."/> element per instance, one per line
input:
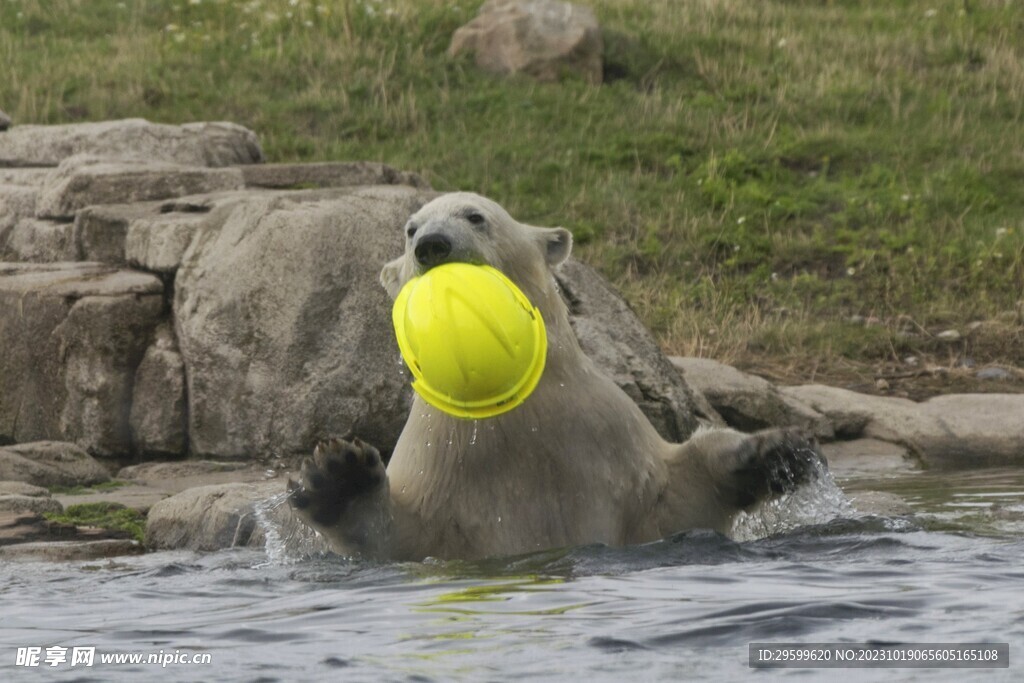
<point x="473" y="341"/>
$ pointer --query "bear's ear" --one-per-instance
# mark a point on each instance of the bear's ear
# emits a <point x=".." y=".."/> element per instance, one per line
<point x="556" y="244"/>
<point x="391" y="276"/>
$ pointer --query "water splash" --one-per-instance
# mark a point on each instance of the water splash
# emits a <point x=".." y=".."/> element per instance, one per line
<point x="288" y="539"/>
<point x="472" y="438"/>
<point x="816" y="502"/>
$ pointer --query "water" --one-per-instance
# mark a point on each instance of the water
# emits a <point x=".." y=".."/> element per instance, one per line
<point x="681" y="609"/>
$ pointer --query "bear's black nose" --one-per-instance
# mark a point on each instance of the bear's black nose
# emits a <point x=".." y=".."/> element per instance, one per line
<point x="432" y="250"/>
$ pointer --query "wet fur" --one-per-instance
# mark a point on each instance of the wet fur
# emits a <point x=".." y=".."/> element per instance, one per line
<point x="576" y="463"/>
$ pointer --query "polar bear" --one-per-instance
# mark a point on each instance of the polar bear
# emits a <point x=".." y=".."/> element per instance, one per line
<point x="576" y="463"/>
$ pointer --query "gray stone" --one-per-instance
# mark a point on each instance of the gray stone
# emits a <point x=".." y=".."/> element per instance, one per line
<point x="16" y="203"/>
<point x="284" y="328"/>
<point x="24" y="177"/>
<point x="542" y="38"/>
<point x="746" y="402"/>
<point x="5" y="121"/>
<point x="867" y="458"/>
<point x="39" y="241"/>
<point x="82" y="181"/>
<point x="49" y="464"/>
<point x="193" y="144"/>
<point x="962" y="430"/>
<point x="208" y="517"/>
<point x="995" y="374"/>
<point x="70" y="551"/>
<point x="36" y="504"/>
<point x="179" y="475"/>
<point x="158" y="400"/>
<point x="159" y="243"/>
<point x="327" y="174"/>
<point x="20" y="488"/>
<point x="101" y="230"/>
<point x="73" y="336"/>
<point x="614" y="338"/>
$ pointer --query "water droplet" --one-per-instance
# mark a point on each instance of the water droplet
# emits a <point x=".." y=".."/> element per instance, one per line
<point x="499" y="519"/>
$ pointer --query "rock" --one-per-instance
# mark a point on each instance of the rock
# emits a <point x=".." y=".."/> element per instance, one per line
<point x="956" y="431"/>
<point x="995" y="373"/>
<point x="157" y="414"/>
<point x="20" y="488"/>
<point x="867" y="458"/>
<point x="159" y="243"/>
<point x="24" y="177"/>
<point x="746" y="402"/>
<point x="979" y="430"/>
<point x="49" y="464"/>
<point x="284" y="328"/>
<point x="73" y="336"/>
<point x="615" y="339"/>
<point x="101" y="230"/>
<point x="179" y="475"/>
<point x="81" y="181"/>
<point x="17" y="202"/>
<point x="192" y="144"/>
<point x="327" y="174"/>
<point x="39" y="241"/>
<point x="36" y="504"/>
<point x="208" y="517"/>
<point x="542" y="38"/>
<point x="5" y="121"/>
<point x="70" y="551"/>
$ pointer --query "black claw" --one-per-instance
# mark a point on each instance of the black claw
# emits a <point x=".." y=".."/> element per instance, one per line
<point x="776" y="464"/>
<point x="338" y="473"/>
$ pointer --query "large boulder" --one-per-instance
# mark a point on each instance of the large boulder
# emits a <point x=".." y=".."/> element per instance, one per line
<point x="611" y="334"/>
<point x="283" y="326"/>
<point x="541" y="38"/>
<point x="72" y="336"/>
<point x="956" y="431"/>
<point x="747" y="402"/>
<point x="191" y="144"/>
<point x="209" y="517"/>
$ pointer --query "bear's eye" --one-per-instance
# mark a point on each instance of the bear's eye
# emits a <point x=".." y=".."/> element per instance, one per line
<point x="411" y="230"/>
<point x="475" y="218"/>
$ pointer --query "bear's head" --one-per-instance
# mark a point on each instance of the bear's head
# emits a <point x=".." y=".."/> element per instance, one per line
<point x="465" y="227"/>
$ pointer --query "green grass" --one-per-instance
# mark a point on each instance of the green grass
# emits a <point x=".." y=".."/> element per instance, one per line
<point x="103" y="516"/>
<point x="751" y="175"/>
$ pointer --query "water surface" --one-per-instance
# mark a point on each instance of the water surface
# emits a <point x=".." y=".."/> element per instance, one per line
<point x="681" y="609"/>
